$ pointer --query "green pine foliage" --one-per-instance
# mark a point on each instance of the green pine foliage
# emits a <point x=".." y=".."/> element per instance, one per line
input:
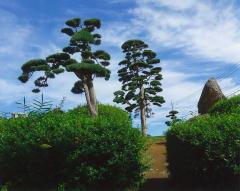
<point x="92" y="63"/>
<point x="38" y="107"/>
<point x="23" y="105"/>
<point x="72" y="148"/>
<point x="140" y="77"/>
<point x="139" y="70"/>
<point x="173" y="118"/>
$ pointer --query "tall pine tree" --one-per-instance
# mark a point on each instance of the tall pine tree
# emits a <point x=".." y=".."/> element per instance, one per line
<point x="91" y="64"/>
<point x="140" y="77"/>
<point x="173" y="117"/>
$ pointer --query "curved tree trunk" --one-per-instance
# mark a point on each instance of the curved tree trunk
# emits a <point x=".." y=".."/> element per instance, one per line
<point x="91" y="107"/>
<point x="92" y="95"/>
<point x="142" y="113"/>
<point x="89" y="93"/>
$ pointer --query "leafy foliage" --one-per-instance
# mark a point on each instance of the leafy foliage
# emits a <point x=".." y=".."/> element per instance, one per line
<point x="231" y="105"/>
<point x="73" y="148"/>
<point x="205" y="150"/>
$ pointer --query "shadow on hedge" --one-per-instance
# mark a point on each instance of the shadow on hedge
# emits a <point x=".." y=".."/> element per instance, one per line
<point x="164" y="184"/>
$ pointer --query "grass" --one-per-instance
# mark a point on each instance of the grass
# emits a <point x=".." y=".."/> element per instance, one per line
<point x="155" y="139"/>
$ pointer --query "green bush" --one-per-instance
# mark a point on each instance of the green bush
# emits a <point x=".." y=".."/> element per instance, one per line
<point x="205" y="151"/>
<point x="231" y="105"/>
<point x="72" y="148"/>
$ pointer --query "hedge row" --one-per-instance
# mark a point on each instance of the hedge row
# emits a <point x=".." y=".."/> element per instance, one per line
<point x="226" y="106"/>
<point x="206" y="150"/>
<point x="72" y="148"/>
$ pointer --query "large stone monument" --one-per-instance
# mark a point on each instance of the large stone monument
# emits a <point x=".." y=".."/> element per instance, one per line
<point x="210" y="95"/>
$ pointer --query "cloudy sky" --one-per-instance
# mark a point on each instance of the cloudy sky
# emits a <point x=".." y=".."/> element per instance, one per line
<point x="194" y="39"/>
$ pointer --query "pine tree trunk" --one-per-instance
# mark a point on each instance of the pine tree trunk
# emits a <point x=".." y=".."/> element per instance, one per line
<point x="92" y="95"/>
<point x="142" y="113"/>
<point x="89" y="93"/>
<point x="91" y="103"/>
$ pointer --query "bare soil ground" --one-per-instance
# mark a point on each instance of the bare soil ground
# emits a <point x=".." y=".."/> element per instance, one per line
<point x="158" y="169"/>
<point x="157" y="176"/>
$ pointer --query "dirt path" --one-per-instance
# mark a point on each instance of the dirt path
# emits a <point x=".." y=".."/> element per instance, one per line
<point x="159" y="166"/>
<point x="157" y="177"/>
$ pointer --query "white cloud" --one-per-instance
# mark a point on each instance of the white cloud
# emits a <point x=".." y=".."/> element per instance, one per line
<point x="62" y="85"/>
<point x="171" y="4"/>
<point x="10" y="91"/>
<point x="16" y="42"/>
<point x="116" y="33"/>
<point x="202" y="29"/>
<point x="58" y="88"/>
<point x="207" y="30"/>
<point x="14" y="36"/>
<point x="228" y="86"/>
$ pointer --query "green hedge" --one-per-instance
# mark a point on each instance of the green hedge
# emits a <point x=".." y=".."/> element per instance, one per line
<point x="231" y="105"/>
<point x="72" y="148"/>
<point x="205" y="151"/>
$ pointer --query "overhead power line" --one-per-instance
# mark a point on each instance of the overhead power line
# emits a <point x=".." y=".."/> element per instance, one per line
<point x="220" y="78"/>
<point x="230" y="73"/>
<point x="234" y="93"/>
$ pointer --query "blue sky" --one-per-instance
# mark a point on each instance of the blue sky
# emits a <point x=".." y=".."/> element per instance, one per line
<point x="195" y="40"/>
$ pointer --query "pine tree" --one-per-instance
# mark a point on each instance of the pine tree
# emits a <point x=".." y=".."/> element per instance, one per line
<point x="41" y="106"/>
<point x="91" y="64"/>
<point x="173" y="116"/>
<point x="23" y="105"/>
<point x="140" y="79"/>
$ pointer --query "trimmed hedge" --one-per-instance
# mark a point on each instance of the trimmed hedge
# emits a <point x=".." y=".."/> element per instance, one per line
<point x="72" y="148"/>
<point x="231" y="105"/>
<point x="205" y="151"/>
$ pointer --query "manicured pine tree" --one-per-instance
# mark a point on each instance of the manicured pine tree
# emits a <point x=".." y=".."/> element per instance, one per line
<point x="91" y="64"/>
<point x="140" y="77"/>
<point x="173" y="116"/>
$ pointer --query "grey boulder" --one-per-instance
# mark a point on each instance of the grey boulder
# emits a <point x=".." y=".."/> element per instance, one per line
<point x="211" y="94"/>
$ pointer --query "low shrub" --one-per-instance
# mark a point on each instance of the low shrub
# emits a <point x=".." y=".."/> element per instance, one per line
<point x="231" y="105"/>
<point x="205" y="151"/>
<point x="72" y="148"/>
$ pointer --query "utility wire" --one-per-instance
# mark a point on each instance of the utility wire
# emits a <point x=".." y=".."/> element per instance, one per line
<point x="229" y="74"/>
<point x="233" y="90"/>
<point x="219" y="78"/>
<point x="233" y="93"/>
<point x="236" y="67"/>
<point x="193" y="113"/>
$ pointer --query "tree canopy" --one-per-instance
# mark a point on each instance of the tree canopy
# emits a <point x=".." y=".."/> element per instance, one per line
<point x="91" y="64"/>
<point x="140" y="76"/>
<point x="172" y="116"/>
